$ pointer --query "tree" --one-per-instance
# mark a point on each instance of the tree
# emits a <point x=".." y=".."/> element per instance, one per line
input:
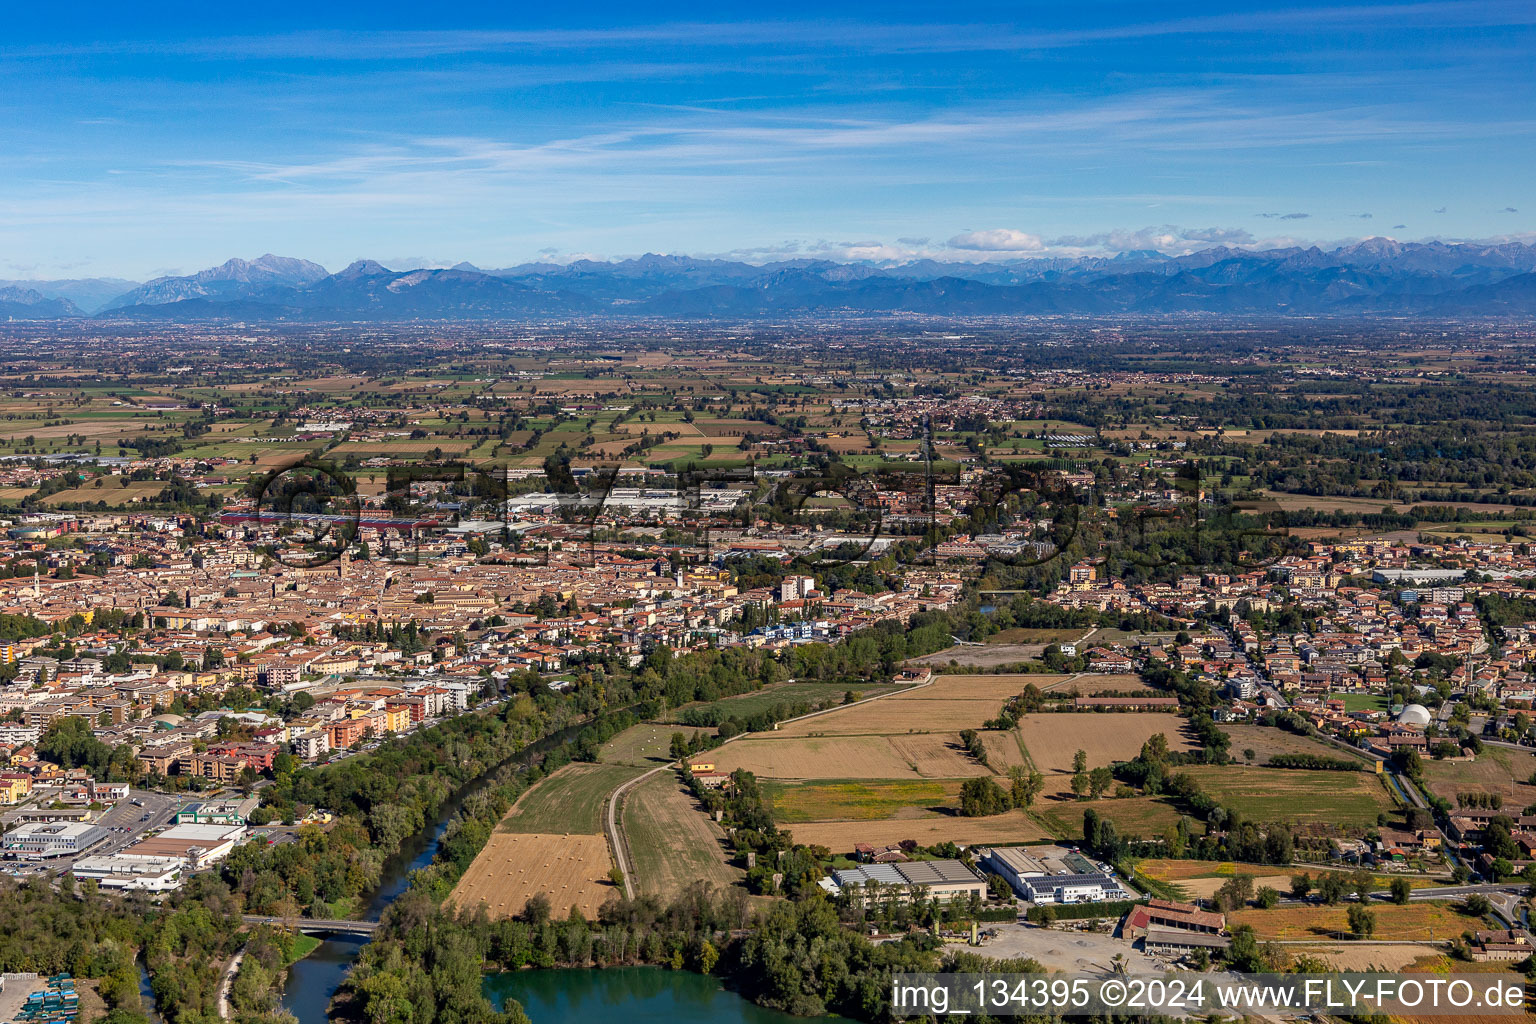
<point x="1243" y="952"/>
<point x="982" y="797"/>
<point x="1362" y="921"/>
<point x="1477" y="905"/>
<point x="1234" y="893"/>
<point x="1331" y="887"/>
<point x="1401" y="890"/>
<point x="1099" y="781"/>
<point x="1300" y="886"/>
<point x="1080" y="762"/>
<point x="1024" y="786"/>
<point x="1266" y="898"/>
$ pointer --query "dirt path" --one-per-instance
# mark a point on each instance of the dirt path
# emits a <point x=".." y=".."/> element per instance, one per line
<point x="612" y="815"/>
<point x="227" y="981"/>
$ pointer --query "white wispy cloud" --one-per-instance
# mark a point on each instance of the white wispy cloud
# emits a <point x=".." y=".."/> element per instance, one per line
<point x="997" y="240"/>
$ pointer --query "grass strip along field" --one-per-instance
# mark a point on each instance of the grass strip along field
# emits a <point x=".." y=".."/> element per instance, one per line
<point x="672" y="842"/>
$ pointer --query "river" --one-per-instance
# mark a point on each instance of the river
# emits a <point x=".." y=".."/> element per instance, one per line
<point x="634" y="995"/>
<point x="314" y="980"/>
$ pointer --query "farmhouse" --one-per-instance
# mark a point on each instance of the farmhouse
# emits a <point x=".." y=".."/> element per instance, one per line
<point x="1166" y="915"/>
<point x="1502" y="945"/>
<point x="1178" y="942"/>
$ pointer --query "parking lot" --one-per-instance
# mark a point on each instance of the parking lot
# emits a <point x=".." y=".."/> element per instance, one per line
<point x="127" y="822"/>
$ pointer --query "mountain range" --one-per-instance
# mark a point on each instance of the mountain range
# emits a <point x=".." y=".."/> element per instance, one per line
<point x="1377" y="276"/>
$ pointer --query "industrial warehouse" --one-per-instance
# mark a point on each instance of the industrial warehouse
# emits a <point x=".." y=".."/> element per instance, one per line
<point x="935" y="879"/>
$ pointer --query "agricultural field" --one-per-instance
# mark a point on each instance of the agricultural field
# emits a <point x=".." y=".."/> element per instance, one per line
<point x="921" y="756"/>
<point x="1100" y="684"/>
<point x="747" y="704"/>
<point x="647" y="744"/>
<point x="1419" y="920"/>
<point x="992" y="654"/>
<point x="927" y="830"/>
<point x="1052" y="738"/>
<point x="1144" y="816"/>
<point x="672" y="842"/>
<point x="1025" y="635"/>
<point x="1266" y="742"/>
<point x="572" y="870"/>
<point x="1501" y="770"/>
<point x="858" y="800"/>
<point x="948" y="704"/>
<point x="1283" y="795"/>
<point x="570" y="800"/>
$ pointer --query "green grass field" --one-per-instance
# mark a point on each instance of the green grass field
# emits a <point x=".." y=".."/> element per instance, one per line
<point x="1362" y="701"/>
<point x="569" y="801"/>
<point x="851" y="800"/>
<point x="747" y="704"/>
<point x="1281" y="795"/>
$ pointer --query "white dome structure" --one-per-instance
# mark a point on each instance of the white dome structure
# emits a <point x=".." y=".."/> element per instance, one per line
<point x="1414" y="714"/>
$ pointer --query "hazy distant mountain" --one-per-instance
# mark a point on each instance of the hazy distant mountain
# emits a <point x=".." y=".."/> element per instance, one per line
<point x="18" y="303"/>
<point x="89" y="293"/>
<point x="1373" y="276"/>
<point x="235" y="279"/>
<point x="368" y="291"/>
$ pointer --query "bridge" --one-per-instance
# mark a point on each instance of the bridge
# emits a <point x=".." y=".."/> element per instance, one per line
<point x="310" y="925"/>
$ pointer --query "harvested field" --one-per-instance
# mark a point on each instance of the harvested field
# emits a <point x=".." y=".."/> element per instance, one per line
<point x="990" y="655"/>
<point x="570" y="800"/>
<point x="848" y="757"/>
<point x="1283" y="795"/>
<point x="1053" y="738"/>
<point x="572" y="870"/>
<point x="1422" y="921"/>
<point x="950" y="703"/>
<point x="840" y="836"/>
<point x="672" y="842"/>
<point x="1499" y="770"/>
<point x="645" y="744"/>
<point x="1372" y="956"/>
<point x="1144" y="816"/>
<point x="1025" y="635"/>
<point x="1094" y="684"/>
<point x="1266" y="742"/>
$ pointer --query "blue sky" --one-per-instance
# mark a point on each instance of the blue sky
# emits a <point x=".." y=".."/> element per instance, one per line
<point x="150" y="139"/>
